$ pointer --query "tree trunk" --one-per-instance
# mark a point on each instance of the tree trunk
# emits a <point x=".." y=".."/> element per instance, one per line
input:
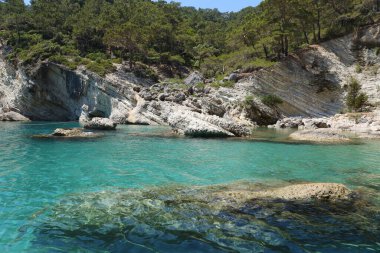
<point x="286" y="45"/>
<point x="314" y="34"/>
<point x="282" y="44"/>
<point x="306" y="38"/>
<point x="319" y="22"/>
<point x="265" y="51"/>
<point x="130" y="60"/>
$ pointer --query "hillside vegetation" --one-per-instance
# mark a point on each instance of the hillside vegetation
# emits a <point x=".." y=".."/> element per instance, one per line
<point x="98" y="33"/>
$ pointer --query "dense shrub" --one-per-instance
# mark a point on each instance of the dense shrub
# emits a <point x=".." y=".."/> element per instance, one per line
<point x="358" y="69"/>
<point x="101" y="67"/>
<point x="248" y="100"/>
<point x="355" y="99"/>
<point x="271" y="100"/>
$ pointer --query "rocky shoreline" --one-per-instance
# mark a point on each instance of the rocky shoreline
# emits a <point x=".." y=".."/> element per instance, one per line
<point x="310" y="83"/>
<point x="339" y="128"/>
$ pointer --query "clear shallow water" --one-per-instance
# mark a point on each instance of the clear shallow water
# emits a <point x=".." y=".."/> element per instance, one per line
<point x="35" y="175"/>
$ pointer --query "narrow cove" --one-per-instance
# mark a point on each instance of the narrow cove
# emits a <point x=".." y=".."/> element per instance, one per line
<point x="137" y="189"/>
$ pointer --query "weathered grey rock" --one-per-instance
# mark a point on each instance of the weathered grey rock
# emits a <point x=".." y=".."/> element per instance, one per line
<point x="289" y="123"/>
<point x="210" y="80"/>
<point x="194" y="78"/>
<point x="12" y="116"/>
<point x="163" y="96"/>
<point x="233" y="77"/>
<point x="100" y="124"/>
<point x="137" y="89"/>
<point x="321" y="136"/>
<point x="191" y="123"/>
<point x="188" y="124"/>
<point x="361" y="125"/>
<point x="179" y="97"/>
<point x="207" y="90"/>
<point x="147" y="95"/>
<point x="213" y="106"/>
<point x="97" y="113"/>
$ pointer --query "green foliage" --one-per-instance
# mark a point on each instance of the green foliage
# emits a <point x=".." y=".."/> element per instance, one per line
<point x="271" y="100"/>
<point x="377" y="51"/>
<point x="40" y="51"/>
<point x="101" y="67"/>
<point x="163" y="32"/>
<point x="177" y="59"/>
<point x="144" y="71"/>
<point x="358" y="69"/>
<point x="99" y="56"/>
<point x="248" y="101"/>
<point x="355" y="99"/>
<point x="175" y="80"/>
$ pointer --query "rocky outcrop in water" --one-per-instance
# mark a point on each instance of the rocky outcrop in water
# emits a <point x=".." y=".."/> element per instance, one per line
<point x="69" y="133"/>
<point x="88" y="120"/>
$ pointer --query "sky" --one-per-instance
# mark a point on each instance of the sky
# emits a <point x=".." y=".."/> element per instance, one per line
<point x="222" y="5"/>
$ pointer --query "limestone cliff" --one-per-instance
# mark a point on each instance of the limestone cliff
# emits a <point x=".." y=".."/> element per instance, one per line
<point x="311" y="82"/>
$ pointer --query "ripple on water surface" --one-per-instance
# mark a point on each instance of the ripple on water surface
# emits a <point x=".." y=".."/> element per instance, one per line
<point x="39" y="177"/>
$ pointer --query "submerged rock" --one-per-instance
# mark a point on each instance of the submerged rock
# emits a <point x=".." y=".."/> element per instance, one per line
<point x="179" y="219"/>
<point x="69" y="133"/>
<point x="304" y="192"/>
<point x="321" y="136"/>
<point x="100" y="124"/>
<point x="12" y="116"/>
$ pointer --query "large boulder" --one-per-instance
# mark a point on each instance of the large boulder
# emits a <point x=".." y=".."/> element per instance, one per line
<point x="188" y="124"/>
<point x="12" y="116"/>
<point x="100" y="124"/>
<point x="233" y="77"/>
<point x="194" y="78"/>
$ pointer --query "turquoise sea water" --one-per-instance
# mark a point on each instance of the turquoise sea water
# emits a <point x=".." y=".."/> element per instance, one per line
<point x="37" y="174"/>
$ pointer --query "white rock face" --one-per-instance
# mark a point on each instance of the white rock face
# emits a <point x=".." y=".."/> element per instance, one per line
<point x="12" y="116"/>
<point x="311" y="82"/>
